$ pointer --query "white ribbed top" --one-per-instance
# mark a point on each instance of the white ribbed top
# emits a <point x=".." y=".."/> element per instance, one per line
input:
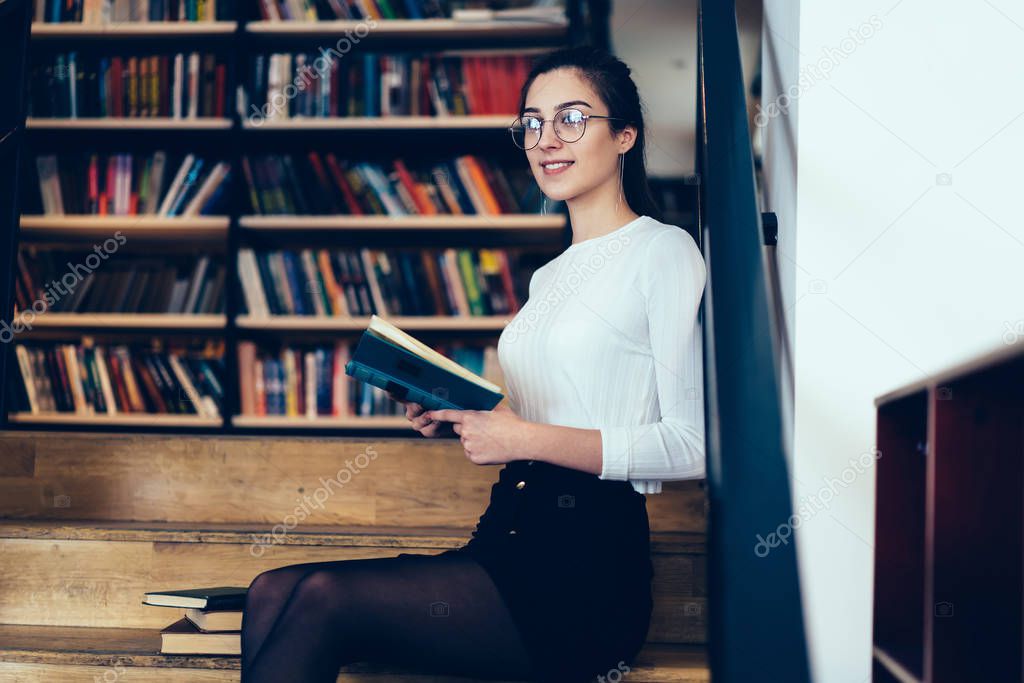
<point x="608" y="339"/>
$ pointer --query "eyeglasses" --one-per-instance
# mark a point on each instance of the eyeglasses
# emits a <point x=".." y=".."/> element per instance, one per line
<point x="569" y="126"/>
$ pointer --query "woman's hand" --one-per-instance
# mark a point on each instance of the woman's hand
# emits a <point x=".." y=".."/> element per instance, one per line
<point x="421" y="423"/>
<point x="489" y="437"/>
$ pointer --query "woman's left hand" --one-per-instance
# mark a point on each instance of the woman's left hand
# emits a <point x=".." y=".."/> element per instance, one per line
<point x="489" y="437"/>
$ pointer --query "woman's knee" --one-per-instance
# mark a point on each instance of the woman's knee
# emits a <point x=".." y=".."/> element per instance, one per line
<point x="272" y="585"/>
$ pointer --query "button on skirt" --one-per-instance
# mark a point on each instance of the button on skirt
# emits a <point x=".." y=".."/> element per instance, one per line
<point x="570" y="555"/>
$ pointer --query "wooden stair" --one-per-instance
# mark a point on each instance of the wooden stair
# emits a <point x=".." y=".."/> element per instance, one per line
<point x="71" y="654"/>
<point x="88" y="523"/>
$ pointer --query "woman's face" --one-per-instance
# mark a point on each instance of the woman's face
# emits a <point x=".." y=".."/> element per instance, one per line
<point x="594" y="158"/>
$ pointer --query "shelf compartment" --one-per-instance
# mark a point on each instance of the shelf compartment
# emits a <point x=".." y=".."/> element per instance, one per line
<point x="902" y="429"/>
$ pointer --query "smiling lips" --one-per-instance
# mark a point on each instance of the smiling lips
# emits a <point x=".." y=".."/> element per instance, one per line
<point x="556" y="166"/>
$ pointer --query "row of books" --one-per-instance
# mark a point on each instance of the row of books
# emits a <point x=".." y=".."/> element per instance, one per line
<point x="65" y="284"/>
<point x="212" y="623"/>
<point x="348" y="282"/>
<point x="85" y="85"/>
<point x="313" y="10"/>
<point x="128" y="185"/>
<point x="310" y="381"/>
<point x="376" y="84"/>
<point x="107" y="12"/>
<point x="324" y="184"/>
<point x="93" y="379"/>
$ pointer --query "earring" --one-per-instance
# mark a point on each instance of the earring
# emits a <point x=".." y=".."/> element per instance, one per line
<point x="618" y="197"/>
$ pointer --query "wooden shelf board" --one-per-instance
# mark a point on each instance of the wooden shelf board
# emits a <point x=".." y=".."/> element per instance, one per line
<point x="525" y="221"/>
<point x="125" y="420"/>
<point x="132" y="29"/>
<point x="425" y="322"/>
<point x="150" y="227"/>
<point x="129" y="123"/>
<point x="210" y="321"/>
<point x="412" y="28"/>
<point x="324" y="422"/>
<point x="298" y="124"/>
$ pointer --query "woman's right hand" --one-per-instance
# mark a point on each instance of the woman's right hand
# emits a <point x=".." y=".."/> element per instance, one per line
<point x="424" y="425"/>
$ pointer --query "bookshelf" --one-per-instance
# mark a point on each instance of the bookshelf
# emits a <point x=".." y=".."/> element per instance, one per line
<point x="237" y="40"/>
<point x="15" y="16"/>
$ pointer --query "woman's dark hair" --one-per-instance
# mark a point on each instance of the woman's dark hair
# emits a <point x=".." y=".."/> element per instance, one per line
<point x="610" y="78"/>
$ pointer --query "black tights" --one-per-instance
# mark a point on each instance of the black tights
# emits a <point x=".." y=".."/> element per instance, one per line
<point x="439" y="614"/>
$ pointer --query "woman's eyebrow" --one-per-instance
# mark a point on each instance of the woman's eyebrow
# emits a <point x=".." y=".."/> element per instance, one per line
<point x="563" y="105"/>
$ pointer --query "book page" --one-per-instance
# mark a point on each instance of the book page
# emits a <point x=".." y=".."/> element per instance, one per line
<point x="382" y="328"/>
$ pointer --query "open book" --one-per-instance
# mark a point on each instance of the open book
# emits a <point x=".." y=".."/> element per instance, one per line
<point x="388" y="358"/>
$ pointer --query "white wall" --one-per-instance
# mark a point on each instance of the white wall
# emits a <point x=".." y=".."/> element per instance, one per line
<point x="780" y="60"/>
<point x="658" y="40"/>
<point x="908" y="249"/>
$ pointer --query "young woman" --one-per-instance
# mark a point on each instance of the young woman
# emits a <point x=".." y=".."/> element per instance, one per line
<point x="603" y="373"/>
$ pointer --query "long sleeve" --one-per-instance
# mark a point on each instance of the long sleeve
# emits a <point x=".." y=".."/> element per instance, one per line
<point x="672" y="284"/>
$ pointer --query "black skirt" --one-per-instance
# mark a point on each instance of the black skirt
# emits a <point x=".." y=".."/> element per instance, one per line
<point x="570" y="554"/>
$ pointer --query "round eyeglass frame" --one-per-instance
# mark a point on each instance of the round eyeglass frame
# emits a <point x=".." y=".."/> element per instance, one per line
<point x="540" y="133"/>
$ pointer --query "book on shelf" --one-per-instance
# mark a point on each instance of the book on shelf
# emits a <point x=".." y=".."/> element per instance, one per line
<point x="541" y="12"/>
<point x="329" y="184"/>
<point x="93" y="379"/>
<point x="391" y="359"/>
<point x="382" y="85"/>
<point x="212" y="620"/>
<point x="127" y="184"/>
<point x="185" y="638"/>
<point x="360" y="282"/>
<point x="179" y="284"/>
<point x="115" y="12"/>
<point x="216" y="598"/>
<point x="309" y="381"/>
<point x="330" y="10"/>
<point x="74" y="84"/>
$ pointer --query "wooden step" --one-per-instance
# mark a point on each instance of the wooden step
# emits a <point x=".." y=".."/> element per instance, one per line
<point x="214" y="478"/>
<point x="32" y="654"/>
<point x="94" y="573"/>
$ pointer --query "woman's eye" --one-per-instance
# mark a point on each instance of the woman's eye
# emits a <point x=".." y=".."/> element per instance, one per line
<point x="572" y="117"/>
<point x="531" y="123"/>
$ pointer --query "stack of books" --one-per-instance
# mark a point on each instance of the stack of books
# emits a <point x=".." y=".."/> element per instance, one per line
<point x="212" y="624"/>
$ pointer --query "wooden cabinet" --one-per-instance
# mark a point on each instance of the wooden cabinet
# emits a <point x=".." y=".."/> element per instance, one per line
<point x="948" y="525"/>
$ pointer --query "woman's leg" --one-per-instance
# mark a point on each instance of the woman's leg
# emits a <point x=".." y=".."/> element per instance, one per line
<point x="439" y="613"/>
